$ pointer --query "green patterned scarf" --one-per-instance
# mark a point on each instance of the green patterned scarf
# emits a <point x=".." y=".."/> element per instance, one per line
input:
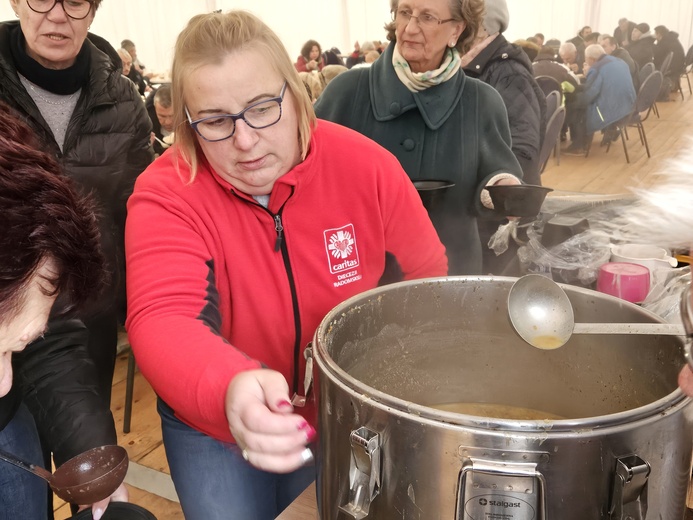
<point x="417" y="81"/>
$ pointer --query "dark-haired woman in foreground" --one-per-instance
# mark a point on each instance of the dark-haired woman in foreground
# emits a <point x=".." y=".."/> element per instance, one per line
<point x="49" y="252"/>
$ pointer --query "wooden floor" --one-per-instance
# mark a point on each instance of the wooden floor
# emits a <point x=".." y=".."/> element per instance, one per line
<point x="598" y="173"/>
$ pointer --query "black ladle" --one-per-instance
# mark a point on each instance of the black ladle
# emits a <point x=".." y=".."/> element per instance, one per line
<point x="85" y="479"/>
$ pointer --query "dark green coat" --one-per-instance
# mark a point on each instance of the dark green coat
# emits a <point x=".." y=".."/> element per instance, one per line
<point x="456" y="131"/>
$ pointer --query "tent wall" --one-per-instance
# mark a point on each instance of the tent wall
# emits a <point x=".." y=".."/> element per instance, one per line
<point x="154" y="24"/>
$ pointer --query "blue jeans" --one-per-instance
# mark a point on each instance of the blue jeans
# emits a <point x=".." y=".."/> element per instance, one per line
<point x="213" y="481"/>
<point x="22" y="495"/>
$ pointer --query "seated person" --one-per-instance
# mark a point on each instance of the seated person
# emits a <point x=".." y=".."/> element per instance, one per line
<point x="641" y="47"/>
<point x="137" y="74"/>
<point x="126" y="59"/>
<point x="606" y="98"/>
<point x="668" y="41"/>
<point x="624" y="32"/>
<point x="50" y="264"/>
<point x="610" y="46"/>
<point x="359" y="54"/>
<point x="160" y="111"/>
<point x="569" y="55"/>
<point x="310" y="58"/>
<point x="545" y="65"/>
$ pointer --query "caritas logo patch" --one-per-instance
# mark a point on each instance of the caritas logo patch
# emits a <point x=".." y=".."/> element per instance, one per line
<point x="340" y="245"/>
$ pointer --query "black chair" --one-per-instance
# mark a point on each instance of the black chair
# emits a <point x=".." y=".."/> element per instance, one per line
<point x="688" y="69"/>
<point x="553" y="101"/>
<point x="551" y="137"/>
<point x="645" y="73"/>
<point x="643" y="102"/>
<point x="548" y="84"/>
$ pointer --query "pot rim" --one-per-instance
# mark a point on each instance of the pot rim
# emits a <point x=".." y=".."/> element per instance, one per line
<point x="328" y="365"/>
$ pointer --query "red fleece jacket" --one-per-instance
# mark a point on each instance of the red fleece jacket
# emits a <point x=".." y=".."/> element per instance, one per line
<point x="209" y="294"/>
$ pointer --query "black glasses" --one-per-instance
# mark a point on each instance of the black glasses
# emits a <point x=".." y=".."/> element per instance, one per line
<point x="75" y="9"/>
<point x="425" y="20"/>
<point x="259" y="115"/>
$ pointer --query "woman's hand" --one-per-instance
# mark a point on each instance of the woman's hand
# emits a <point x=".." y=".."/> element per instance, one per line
<point x="686" y="380"/>
<point x="99" y="508"/>
<point x="261" y="419"/>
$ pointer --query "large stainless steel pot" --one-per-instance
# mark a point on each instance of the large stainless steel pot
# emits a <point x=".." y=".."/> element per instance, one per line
<point x="385" y="356"/>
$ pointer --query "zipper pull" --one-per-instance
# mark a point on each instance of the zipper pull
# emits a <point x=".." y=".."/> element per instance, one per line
<point x="279" y="228"/>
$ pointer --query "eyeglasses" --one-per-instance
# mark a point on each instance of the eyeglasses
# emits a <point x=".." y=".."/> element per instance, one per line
<point x="425" y="20"/>
<point x="75" y="9"/>
<point x="258" y="115"/>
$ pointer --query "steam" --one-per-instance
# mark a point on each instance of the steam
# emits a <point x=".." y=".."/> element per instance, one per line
<point x="663" y="214"/>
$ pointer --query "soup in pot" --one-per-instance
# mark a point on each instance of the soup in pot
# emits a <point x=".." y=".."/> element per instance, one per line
<point x="498" y="411"/>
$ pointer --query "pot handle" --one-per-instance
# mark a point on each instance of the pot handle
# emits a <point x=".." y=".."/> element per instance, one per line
<point x="501" y="489"/>
<point x="629" y="496"/>
<point x="364" y="473"/>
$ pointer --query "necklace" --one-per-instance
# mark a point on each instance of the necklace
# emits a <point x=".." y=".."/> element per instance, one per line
<point x="65" y="100"/>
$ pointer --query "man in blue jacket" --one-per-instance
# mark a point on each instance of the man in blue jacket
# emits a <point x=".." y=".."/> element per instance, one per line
<point x="606" y="98"/>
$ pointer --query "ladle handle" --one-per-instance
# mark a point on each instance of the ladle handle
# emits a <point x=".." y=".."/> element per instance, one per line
<point x="663" y="329"/>
<point x="31" y="468"/>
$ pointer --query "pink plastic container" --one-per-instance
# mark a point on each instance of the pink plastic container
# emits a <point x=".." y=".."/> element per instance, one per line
<point x="630" y="282"/>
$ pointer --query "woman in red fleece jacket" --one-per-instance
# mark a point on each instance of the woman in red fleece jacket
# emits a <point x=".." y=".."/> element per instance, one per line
<point x="240" y="238"/>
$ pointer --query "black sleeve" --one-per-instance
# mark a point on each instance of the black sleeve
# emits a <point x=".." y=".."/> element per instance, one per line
<point x="58" y="382"/>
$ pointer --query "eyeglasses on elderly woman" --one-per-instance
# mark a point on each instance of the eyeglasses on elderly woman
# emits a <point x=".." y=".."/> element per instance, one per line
<point x="259" y="115"/>
<point x="75" y="9"/>
<point x="425" y="20"/>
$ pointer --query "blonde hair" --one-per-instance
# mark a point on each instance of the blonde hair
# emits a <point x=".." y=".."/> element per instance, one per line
<point x="471" y="12"/>
<point x="313" y="83"/>
<point x="207" y="40"/>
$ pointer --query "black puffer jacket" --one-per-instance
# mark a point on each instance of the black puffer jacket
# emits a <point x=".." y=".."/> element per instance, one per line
<point x="670" y="43"/>
<point x="507" y="69"/>
<point x="642" y="50"/>
<point x="106" y="147"/>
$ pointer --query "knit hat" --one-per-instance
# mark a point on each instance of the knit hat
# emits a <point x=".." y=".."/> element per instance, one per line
<point x="497" y="18"/>
<point x="642" y="27"/>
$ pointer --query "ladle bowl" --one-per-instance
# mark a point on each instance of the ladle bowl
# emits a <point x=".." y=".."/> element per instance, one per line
<point x="541" y="313"/>
<point x="84" y="479"/>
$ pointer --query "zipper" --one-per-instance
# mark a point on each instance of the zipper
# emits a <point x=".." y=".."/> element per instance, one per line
<point x="280" y="246"/>
<point x="279" y="228"/>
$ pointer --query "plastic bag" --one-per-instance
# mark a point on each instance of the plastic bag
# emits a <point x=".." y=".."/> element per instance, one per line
<point x="575" y="261"/>
<point x="500" y="240"/>
<point x="664" y="298"/>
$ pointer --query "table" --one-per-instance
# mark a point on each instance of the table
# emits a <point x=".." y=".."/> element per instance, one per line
<point x="305" y="507"/>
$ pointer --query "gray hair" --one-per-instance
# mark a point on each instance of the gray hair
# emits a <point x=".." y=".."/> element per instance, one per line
<point x="567" y="47"/>
<point x="594" y="51"/>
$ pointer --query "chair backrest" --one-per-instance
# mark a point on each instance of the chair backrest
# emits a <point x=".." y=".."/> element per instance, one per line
<point x="645" y="71"/>
<point x="548" y="84"/>
<point x="647" y="94"/>
<point x="689" y="59"/>
<point x="553" y="130"/>
<point x="553" y="101"/>
<point x="666" y="64"/>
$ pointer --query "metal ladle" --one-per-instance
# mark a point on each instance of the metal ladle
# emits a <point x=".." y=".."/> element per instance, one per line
<point x="542" y="315"/>
<point x="85" y="479"/>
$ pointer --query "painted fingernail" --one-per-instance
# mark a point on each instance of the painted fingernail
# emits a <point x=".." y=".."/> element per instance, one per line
<point x="311" y="434"/>
<point x="284" y="405"/>
<point x="307" y="456"/>
<point x="303" y="426"/>
<point x="98" y="512"/>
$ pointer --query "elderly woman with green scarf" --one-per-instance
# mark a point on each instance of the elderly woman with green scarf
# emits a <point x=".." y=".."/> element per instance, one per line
<point x="416" y="101"/>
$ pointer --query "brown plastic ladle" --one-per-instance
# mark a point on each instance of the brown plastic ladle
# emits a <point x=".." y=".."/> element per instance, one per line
<point x="85" y="479"/>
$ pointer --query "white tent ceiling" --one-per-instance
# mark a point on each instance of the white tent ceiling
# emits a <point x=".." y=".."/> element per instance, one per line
<point x="154" y="24"/>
